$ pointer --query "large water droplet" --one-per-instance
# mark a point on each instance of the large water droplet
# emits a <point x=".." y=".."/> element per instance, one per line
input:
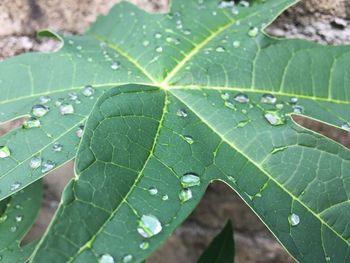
<point x="149" y="226"/>
<point x="4" y="152"/>
<point x="88" y="91"/>
<point x="127" y="258"/>
<point x="57" y="147"/>
<point x="15" y="186"/>
<point x="44" y="99"/>
<point x="35" y="162"/>
<point x="294" y="219"/>
<point x="189" y="180"/>
<point x="144" y="245"/>
<point x="241" y="98"/>
<point x="47" y="166"/>
<point x="275" y="118"/>
<point x="268" y="98"/>
<point x="32" y="122"/>
<point x="152" y="190"/>
<point x="40" y="110"/>
<point x="185" y="195"/>
<point x="253" y="32"/>
<point x="181" y="113"/>
<point x="106" y="258"/>
<point x="66" y="109"/>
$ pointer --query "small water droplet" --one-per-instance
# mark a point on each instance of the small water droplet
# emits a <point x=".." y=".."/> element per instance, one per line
<point x="73" y="96"/>
<point x="35" y="162"/>
<point x="79" y="132"/>
<point x="157" y="35"/>
<point x="152" y="190"/>
<point x="226" y="4"/>
<point x="127" y="258"/>
<point x="187" y="32"/>
<point x="159" y="49"/>
<point x="328" y="259"/>
<point x="71" y="42"/>
<point x="59" y="102"/>
<point x="236" y="44"/>
<point x="144" y="245"/>
<point x="235" y="11"/>
<point x="275" y="118"/>
<point x="225" y="96"/>
<point x="241" y="98"/>
<point x="232" y="179"/>
<point x="18" y="206"/>
<point x="47" y="166"/>
<point x="230" y="105"/>
<point x="188" y="139"/>
<point x="13" y="228"/>
<point x="40" y="110"/>
<point x="279" y="106"/>
<point x="293" y="100"/>
<point x="268" y="98"/>
<point x="79" y="47"/>
<point x="294" y="219"/>
<point x="57" y="147"/>
<point x="66" y="109"/>
<point x="185" y="195"/>
<point x="44" y="99"/>
<point x="253" y="32"/>
<point x="15" y="186"/>
<point x="32" y="122"/>
<point x="145" y="43"/>
<point x="4" y="152"/>
<point x="149" y="226"/>
<point x="181" y="113"/>
<point x="88" y="91"/>
<point x="190" y="180"/>
<point x="346" y="126"/>
<point x="3" y="218"/>
<point x="220" y="49"/>
<point x="106" y="258"/>
<point x="244" y="3"/>
<point x="19" y="218"/>
<point x="165" y="197"/>
<point x="115" y="65"/>
<point x="298" y="109"/>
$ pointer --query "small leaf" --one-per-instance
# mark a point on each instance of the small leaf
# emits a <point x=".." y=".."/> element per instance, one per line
<point x="221" y="249"/>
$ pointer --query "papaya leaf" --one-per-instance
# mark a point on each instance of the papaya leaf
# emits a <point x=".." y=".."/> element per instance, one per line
<point x="209" y="97"/>
<point x="18" y="214"/>
<point x="221" y="249"/>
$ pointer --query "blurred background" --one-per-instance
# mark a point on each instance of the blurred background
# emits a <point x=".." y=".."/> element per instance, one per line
<point x="324" y="21"/>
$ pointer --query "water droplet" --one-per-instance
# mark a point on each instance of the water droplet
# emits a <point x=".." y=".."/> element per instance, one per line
<point x="149" y="226"/>
<point x="235" y="11"/>
<point x="225" y="96"/>
<point x="79" y="47"/>
<point x="127" y="258"/>
<point x="268" y="98"/>
<point x="31" y="123"/>
<point x="15" y="186"/>
<point x="157" y="35"/>
<point x="144" y="245"/>
<point x="145" y="43"/>
<point x="220" y="49"/>
<point x="44" y="99"/>
<point x="298" y="109"/>
<point x="279" y="106"/>
<point x="226" y="4"/>
<point x="189" y="180"/>
<point x="79" y="132"/>
<point x="71" y="42"/>
<point x="57" y="147"/>
<point x="47" y="166"/>
<point x="275" y="118"/>
<point x="346" y="126"/>
<point x="244" y="3"/>
<point x="4" y="152"/>
<point x="187" y="32"/>
<point x="181" y="113"/>
<point x="59" y="102"/>
<point x="106" y="258"/>
<point x="165" y="197"/>
<point x="188" y="139"/>
<point x="19" y="218"/>
<point x="236" y="44"/>
<point x="152" y="190"/>
<point x="232" y="179"/>
<point x="35" y="162"/>
<point x="73" y="96"/>
<point x="66" y="109"/>
<point x="230" y="105"/>
<point x="253" y="32"/>
<point x="328" y="259"/>
<point x="40" y="110"/>
<point x="241" y="98"/>
<point x="294" y="219"/>
<point x="185" y="195"/>
<point x="88" y="91"/>
<point x="115" y="65"/>
<point x="293" y="100"/>
<point x="3" y="218"/>
<point x="159" y="49"/>
<point x="13" y="228"/>
<point x="242" y="124"/>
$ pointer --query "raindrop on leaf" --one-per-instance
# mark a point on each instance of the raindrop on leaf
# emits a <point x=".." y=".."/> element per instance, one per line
<point x="149" y="226"/>
<point x="4" y="152"/>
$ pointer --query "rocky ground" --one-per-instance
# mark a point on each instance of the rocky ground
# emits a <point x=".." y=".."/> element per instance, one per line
<point x="325" y="21"/>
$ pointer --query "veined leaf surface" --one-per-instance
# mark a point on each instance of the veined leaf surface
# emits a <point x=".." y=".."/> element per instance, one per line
<point x="211" y="96"/>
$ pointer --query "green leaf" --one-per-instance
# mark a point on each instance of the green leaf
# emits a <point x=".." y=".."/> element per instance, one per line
<point x="186" y="111"/>
<point x="221" y="249"/>
<point x="18" y="214"/>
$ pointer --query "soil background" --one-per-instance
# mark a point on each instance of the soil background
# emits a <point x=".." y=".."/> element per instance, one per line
<point x="324" y="21"/>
